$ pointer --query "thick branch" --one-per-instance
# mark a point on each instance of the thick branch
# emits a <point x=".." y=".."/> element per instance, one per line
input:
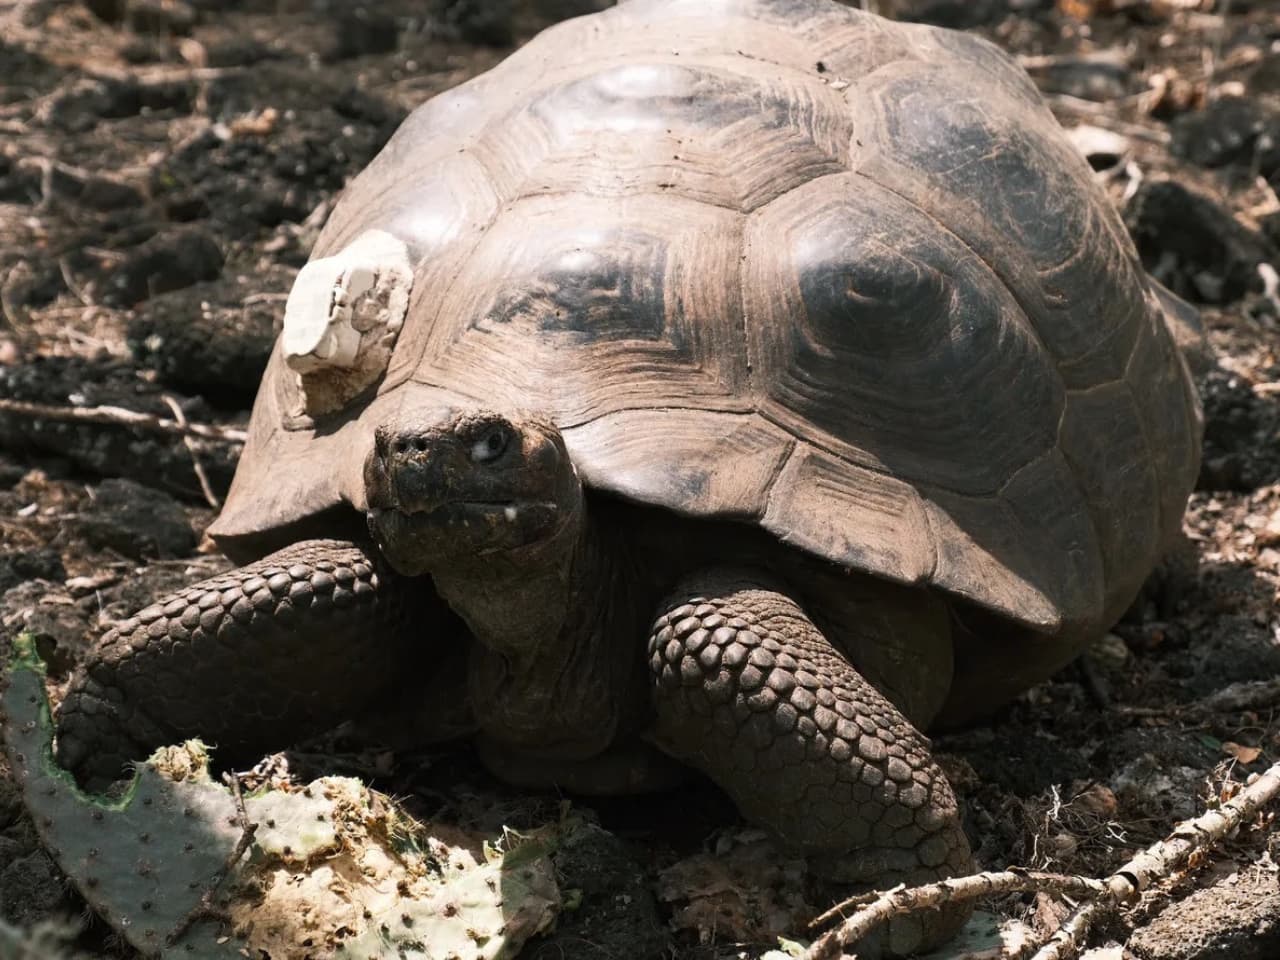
<point x="1160" y="860"/>
<point x="1124" y="886"/>
<point x="884" y="906"/>
<point x="1069" y="938"/>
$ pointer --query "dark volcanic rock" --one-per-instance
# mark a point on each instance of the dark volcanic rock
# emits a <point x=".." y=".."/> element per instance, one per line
<point x="1231" y="421"/>
<point x="170" y="260"/>
<point x="234" y="183"/>
<point x="1231" y="131"/>
<point x="18" y="566"/>
<point x="325" y="133"/>
<point x="87" y="101"/>
<point x="1265" y="77"/>
<point x="36" y="74"/>
<point x="108" y="450"/>
<point x="960" y="14"/>
<point x="1271" y="228"/>
<point x="146" y="16"/>
<point x="18" y="182"/>
<point x="137" y="521"/>
<point x="484" y="22"/>
<point x="61" y="627"/>
<point x="238" y="52"/>
<point x="359" y="32"/>
<point x="142" y="50"/>
<point x="111" y="11"/>
<point x="555" y="10"/>
<point x="1102" y="76"/>
<point x="1240" y="427"/>
<point x="84" y="188"/>
<point x="11" y="472"/>
<point x="198" y="343"/>
<point x="30" y="283"/>
<point x="1192" y="245"/>
<point x="31" y="889"/>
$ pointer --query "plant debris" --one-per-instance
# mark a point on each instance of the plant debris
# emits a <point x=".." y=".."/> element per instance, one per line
<point x="181" y="865"/>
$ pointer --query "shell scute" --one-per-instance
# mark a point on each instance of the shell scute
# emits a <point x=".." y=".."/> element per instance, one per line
<point x="702" y="129"/>
<point x="895" y="331"/>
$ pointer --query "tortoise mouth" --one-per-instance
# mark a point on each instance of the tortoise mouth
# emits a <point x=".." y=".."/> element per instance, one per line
<point x="456" y="533"/>
<point x="459" y="509"/>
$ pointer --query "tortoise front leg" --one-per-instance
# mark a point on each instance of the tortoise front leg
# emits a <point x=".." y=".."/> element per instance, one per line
<point x="749" y="691"/>
<point x="249" y="661"/>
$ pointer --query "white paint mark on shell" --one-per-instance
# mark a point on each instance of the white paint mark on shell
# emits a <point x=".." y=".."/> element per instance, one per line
<point x="509" y="513"/>
<point x="342" y="318"/>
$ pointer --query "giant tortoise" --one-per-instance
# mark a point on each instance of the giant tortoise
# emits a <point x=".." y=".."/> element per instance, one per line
<point x="748" y="384"/>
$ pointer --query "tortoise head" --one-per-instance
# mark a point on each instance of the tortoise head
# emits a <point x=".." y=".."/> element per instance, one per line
<point x="470" y="490"/>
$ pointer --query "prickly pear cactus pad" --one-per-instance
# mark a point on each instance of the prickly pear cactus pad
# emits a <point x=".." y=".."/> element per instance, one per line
<point x="333" y="870"/>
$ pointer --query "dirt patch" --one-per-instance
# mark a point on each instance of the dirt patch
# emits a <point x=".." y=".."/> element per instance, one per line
<point x="1238" y="919"/>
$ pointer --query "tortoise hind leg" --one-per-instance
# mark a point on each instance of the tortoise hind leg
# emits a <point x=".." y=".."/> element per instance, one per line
<point x="748" y="690"/>
<point x="249" y="661"/>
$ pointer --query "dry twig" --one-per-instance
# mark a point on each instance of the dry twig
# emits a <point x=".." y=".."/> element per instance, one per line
<point x="69" y="278"/>
<point x="206" y="488"/>
<point x="879" y="907"/>
<point x="1102" y="115"/>
<point x="120" y="417"/>
<point x="1234" y="698"/>
<point x="1124" y="886"/>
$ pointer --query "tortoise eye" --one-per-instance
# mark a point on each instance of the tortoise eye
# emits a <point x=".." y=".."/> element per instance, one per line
<point x="490" y="446"/>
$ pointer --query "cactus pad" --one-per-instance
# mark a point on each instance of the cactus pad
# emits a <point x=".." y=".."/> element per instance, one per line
<point x="333" y="870"/>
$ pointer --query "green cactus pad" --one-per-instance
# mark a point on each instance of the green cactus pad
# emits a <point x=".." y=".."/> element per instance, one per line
<point x="334" y="870"/>
<point x="142" y="862"/>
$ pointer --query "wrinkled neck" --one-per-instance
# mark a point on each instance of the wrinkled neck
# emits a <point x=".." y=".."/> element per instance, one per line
<point x="553" y="670"/>
<point x="515" y="604"/>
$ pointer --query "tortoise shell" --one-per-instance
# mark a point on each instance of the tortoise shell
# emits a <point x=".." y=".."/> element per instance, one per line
<point x="782" y="262"/>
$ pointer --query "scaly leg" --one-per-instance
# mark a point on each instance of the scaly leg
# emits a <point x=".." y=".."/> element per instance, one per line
<point x="249" y="661"/>
<point x="749" y="691"/>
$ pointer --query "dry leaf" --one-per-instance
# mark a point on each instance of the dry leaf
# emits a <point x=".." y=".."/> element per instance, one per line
<point x="1242" y="753"/>
<point x="1078" y="9"/>
<point x="255" y="125"/>
<point x="1049" y="915"/>
<point x="746" y="892"/>
<point x="1269" y="535"/>
<point x="1098" y="799"/>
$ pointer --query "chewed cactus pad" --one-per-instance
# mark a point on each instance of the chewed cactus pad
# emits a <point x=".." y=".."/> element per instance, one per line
<point x="333" y="869"/>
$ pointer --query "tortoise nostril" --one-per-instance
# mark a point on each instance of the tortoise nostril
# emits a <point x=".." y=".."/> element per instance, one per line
<point x="406" y="443"/>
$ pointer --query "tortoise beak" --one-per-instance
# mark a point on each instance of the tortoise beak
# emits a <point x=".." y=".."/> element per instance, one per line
<point x="406" y="472"/>
<point x="399" y="479"/>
